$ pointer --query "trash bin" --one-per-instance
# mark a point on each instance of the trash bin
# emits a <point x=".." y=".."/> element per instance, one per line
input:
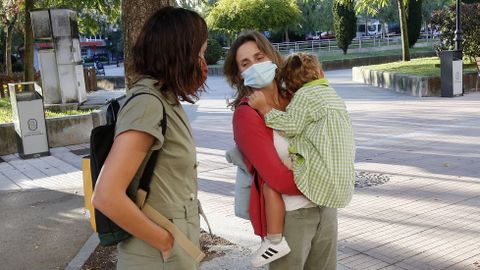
<point x="90" y="78"/>
<point x="451" y="67"/>
<point x="29" y="120"/>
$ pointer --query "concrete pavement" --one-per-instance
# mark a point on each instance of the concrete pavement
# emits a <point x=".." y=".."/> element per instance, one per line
<point x="425" y="217"/>
<point x="42" y="225"/>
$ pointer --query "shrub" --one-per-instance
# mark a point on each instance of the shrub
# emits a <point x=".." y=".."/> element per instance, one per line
<point x="444" y="20"/>
<point x="345" y="23"/>
<point x="88" y="60"/>
<point x="214" y="51"/>
<point x="103" y="58"/>
<point x="414" y="21"/>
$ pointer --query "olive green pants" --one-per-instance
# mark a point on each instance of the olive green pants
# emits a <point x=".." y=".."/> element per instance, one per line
<point x="135" y="254"/>
<point x="311" y="234"/>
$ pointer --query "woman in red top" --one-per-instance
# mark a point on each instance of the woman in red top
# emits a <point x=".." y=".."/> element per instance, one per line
<point x="310" y="230"/>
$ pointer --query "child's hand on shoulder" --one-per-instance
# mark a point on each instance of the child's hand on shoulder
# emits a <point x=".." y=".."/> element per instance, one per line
<point x="258" y="101"/>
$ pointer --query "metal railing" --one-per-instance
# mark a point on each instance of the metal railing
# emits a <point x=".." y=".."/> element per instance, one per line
<point x="357" y="43"/>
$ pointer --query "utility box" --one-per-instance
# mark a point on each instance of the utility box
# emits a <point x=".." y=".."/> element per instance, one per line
<point x="29" y="120"/>
<point x="451" y="67"/>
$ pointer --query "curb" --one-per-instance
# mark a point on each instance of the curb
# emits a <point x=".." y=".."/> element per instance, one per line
<point x="420" y="86"/>
<point x="82" y="256"/>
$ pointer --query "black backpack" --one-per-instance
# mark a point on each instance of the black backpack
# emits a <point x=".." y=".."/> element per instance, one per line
<point x="101" y="141"/>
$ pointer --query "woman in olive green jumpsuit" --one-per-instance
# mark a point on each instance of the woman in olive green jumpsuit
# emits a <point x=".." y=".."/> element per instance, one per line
<point x="168" y="62"/>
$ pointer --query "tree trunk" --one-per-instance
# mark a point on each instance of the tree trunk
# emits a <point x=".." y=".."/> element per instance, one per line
<point x="8" y="51"/>
<point x="134" y="15"/>
<point x="404" y="30"/>
<point x="29" y="74"/>
<point x="287" y="38"/>
<point x="366" y="24"/>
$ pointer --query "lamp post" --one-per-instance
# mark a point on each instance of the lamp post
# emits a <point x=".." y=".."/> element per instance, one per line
<point x="458" y="23"/>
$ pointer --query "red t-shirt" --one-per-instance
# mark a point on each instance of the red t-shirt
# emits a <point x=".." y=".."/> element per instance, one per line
<point x="255" y="140"/>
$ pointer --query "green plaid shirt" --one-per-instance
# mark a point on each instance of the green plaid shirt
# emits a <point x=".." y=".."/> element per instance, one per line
<point x="321" y="143"/>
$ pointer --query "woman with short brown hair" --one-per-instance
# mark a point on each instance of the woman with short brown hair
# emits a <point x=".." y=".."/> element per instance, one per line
<point x="169" y="65"/>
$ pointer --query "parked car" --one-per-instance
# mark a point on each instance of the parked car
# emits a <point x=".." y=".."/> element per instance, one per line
<point x="328" y="35"/>
<point x="313" y="35"/>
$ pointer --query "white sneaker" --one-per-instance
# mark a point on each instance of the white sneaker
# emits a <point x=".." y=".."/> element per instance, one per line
<point x="269" y="252"/>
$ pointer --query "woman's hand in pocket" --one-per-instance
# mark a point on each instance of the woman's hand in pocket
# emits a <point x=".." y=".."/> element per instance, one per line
<point x="166" y="245"/>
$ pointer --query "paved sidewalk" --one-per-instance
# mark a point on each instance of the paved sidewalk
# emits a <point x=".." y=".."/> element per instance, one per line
<point x="425" y="217"/>
<point x="42" y="225"/>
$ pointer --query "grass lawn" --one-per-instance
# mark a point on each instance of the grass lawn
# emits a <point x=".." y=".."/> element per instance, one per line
<point x="419" y="67"/>
<point x="6" y="112"/>
<point x="338" y="55"/>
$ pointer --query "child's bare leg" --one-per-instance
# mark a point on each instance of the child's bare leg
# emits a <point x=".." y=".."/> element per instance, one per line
<point x="275" y="246"/>
<point x="275" y="213"/>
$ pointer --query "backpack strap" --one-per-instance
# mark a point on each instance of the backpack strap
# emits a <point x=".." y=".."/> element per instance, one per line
<point x="163" y="123"/>
<point x="146" y="177"/>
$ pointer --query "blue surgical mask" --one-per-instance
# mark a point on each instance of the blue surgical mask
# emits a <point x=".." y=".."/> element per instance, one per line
<point x="259" y="75"/>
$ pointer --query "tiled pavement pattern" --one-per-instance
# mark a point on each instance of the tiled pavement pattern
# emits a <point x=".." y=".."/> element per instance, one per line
<point x="426" y="217"/>
<point x="59" y="171"/>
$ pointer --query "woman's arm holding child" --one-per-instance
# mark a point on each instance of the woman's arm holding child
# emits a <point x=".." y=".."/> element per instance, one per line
<point x="291" y="122"/>
<point x="254" y="141"/>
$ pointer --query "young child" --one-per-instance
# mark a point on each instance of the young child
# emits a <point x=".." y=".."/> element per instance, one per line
<point x="320" y="134"/>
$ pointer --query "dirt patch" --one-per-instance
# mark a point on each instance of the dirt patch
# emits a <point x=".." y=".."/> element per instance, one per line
<point x="368" y="179"/>
<point x="208" y="243"/>
<point x="105" y="258"/>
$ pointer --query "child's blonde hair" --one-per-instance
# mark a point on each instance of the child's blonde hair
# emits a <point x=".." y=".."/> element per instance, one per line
<point x="299" y="69"/>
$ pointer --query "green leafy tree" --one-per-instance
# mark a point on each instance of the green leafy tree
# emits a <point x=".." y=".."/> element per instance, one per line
<point x="214" y="51"/>
<point x="429" y="6"/>
<point x="115" y="42"/>
<point x="388" y="15"/>
<point x="316" y="15"/>
<point x="91" y="13"/>
<point x="444" y="19"/>
<point x="414" y="21"/>
<point x="10" y="10"/>
<point x="345" y="23"/>
<point x="233" y="16"/>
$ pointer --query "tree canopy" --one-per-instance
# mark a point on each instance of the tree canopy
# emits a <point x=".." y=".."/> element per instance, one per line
<point x="316" y="15"/>
<point x="234" y="16"/>
<point x="10" y="10"/>
<point x="92" y="14"/>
